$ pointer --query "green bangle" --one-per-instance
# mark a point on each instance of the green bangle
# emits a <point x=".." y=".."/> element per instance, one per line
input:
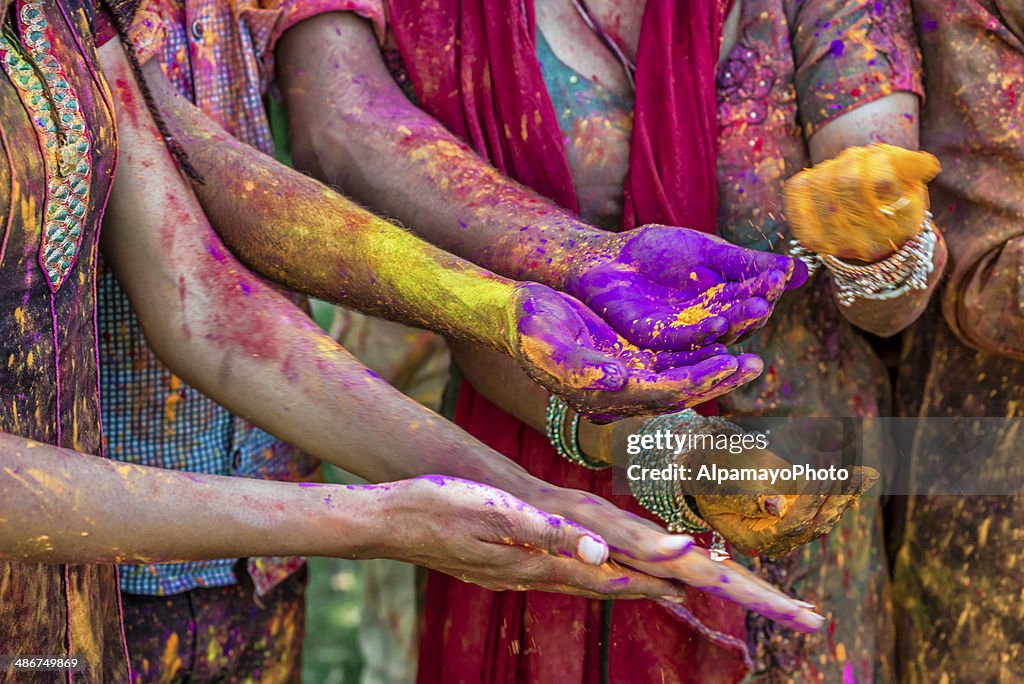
<point x="555" y="428"/>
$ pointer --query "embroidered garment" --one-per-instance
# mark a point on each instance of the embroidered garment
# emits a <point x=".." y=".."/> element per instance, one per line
<point x="59" y="152"/>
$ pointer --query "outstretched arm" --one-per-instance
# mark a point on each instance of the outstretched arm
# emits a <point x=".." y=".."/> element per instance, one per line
<point x="354" y="128"/>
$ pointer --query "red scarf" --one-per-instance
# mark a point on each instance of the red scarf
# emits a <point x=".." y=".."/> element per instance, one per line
<point x="473" y="64"/>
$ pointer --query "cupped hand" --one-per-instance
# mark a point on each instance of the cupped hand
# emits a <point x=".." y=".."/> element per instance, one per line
<point x="764" y="520"/>
<point x="668" y="288"/>
<point x="863" y="204"/>
<point x="486" y="536"/>
<point x="571" y="352"/>
<point x="644" y="546"/>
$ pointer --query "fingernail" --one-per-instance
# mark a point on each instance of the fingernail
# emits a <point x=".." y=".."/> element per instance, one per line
<point x="613" y="377"/>
<point x="805" y="604"/>
<point x="772" y="505"/>
<point x="676" y="545"/>
<point x="592" y="551"/>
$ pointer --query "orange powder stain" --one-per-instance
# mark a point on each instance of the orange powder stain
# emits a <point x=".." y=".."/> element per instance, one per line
<point x="171" y="403"/>
<point x="170" y="659"/>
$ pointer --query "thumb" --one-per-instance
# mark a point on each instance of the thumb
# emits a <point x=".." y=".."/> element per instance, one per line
<point x="575" y="367"/>
<point x="559" y="536"/>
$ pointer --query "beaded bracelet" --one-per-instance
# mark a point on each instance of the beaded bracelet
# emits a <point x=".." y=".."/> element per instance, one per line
<point x="567" y="449"/>
<point x="906" y="269"/>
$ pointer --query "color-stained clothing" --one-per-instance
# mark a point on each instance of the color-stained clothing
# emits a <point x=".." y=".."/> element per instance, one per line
<point x="796" y="66"/>
<point x="49" y="377"/>
<point x="220" y="55"/>
<point x="224" y="634"/>
<point x="958" y="569"/>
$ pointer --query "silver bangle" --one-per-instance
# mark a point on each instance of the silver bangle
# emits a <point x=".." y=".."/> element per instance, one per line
<point x="906" y="269"/>
<point x="568" y="449"/>
<point x="665" y="498"/>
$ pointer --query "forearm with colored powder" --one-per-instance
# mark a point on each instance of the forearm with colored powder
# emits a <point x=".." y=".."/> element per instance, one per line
<point x="302" y="234"/>
<point x="353" y="127"/>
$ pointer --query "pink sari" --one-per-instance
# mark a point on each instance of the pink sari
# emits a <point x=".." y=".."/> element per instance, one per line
<point x="473" y="65"/>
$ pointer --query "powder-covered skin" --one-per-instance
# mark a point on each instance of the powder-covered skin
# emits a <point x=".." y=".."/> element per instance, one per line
<point x="863" y="204"/>
<point x="287" y="226"/>
<point x="468" y="208"/>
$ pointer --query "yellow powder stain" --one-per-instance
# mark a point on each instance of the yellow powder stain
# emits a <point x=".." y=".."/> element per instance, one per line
<point x="30" y="359"/>
<point x="171" y="661"/>
<point x="696" y="313"/>
<point x="693" y="275"/>
<point x="50" y="483"/>
<point x="983" y="531"/>
<point x="10" y="361"/>
<point x="404" y="130"/>
<point x="171" y="403"/>
<point x="19" y="317"/>
<point x="840" y="653"/>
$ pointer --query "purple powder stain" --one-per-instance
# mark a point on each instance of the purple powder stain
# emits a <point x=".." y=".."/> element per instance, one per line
<point x="246" y="288"/>
<point x="848" y="677"/>
<point x="310" y="484"/>
<point x="371" y="374"/>
<point x="554" y="522"/>
<point x="619" y="582"/>
<point x="837" y="48"/>
<point x="724" y="579"/>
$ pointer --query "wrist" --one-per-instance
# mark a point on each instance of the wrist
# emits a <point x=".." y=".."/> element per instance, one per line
<point x="350" y="521"/>
<point x="549" y="251"/>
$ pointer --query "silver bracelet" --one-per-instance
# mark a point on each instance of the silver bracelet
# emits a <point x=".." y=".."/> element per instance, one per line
<point x="666" y="498"/>
<point x="906" y="269"/>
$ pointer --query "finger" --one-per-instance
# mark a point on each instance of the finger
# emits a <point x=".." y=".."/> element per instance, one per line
<point x="658" y="322"/>
<point x="666" y="360"/>
<point x="557" y="536"/>
<point x="739" y="263"/>
<point x="526" y="570"/>
<point x="806" y="526"/>
<point x="739" y="585"/>
<point x="748" y="368"/>
<point x="744" y="318"/>
<point x="768" y="285"/>
<point x="671" y="331"/>
<point x="570" y="363"/>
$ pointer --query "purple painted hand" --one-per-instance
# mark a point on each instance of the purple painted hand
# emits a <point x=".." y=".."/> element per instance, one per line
<point x="668" y="288"/>
<point x="568" y="349"/>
